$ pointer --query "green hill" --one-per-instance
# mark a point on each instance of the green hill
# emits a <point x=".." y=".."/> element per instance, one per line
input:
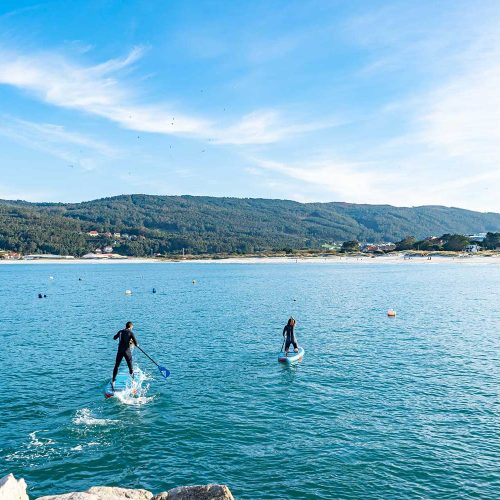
<point x="199" y="224"/>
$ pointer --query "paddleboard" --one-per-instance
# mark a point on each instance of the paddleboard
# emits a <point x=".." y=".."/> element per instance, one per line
<point x="291" y="356"/>
<point x="123" y="382"/>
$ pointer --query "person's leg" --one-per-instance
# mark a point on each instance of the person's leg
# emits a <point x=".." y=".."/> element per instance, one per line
<point x="287" y="344"/>
<point x="128" y="359"/>
<point x="119" y="357"/>
<point x="295" y="346"/>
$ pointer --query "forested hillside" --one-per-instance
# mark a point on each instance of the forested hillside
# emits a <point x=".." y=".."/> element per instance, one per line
<point x="167" y="224"/>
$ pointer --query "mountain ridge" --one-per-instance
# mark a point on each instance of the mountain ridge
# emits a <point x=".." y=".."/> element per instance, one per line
<point x="206" y="224"/>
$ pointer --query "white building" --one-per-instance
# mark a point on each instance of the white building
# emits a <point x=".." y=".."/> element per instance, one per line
<point x="472" y="248"/>
<point x="477" y="237"/>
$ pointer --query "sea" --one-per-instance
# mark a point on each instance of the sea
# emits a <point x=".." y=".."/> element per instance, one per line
<point x="379" y="408"/>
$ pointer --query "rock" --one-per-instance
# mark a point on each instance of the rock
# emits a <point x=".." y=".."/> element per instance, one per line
<point x="12" y="489"/>
<point x="108" y="493"/>
<point x="205" y="492"/>
<point x="103" y="493"/>
<point x="76" y="495"/>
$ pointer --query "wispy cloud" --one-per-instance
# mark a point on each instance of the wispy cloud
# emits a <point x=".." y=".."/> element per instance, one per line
<point x="330" y="180"/>
<point x="462" y="117"/>
<point x="74" y="148"/>
<point x="446" y="146"/>
<point x="99" y="91"/>
<point x="340" y="180"/>
<point x="266" y="127"/>
<point x="448" y="154"/>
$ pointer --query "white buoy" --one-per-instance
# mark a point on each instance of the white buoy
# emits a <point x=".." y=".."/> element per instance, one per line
<point x="391" y="313"/>
<point x="128" y="292"/>
<point x="51" y="277"/>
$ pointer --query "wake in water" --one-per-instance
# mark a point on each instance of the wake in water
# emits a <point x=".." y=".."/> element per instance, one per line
<point x="85" y="417"/>
<point x="37" y="447"/>
<point x="36" y="441"/>
<point x="136" y="390"/>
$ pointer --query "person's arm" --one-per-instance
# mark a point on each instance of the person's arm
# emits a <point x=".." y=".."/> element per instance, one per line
<point x="134" y="340"/>
<point x="117" y="335"/>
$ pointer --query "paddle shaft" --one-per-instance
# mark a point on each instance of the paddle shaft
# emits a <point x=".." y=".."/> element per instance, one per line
<point x="148" y="356"/>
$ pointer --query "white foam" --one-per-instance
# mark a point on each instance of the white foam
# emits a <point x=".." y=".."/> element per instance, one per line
<point x="35" y="441"/>
<point x="135" y="392"/>
<point x="135" y="397"/>
<point x="85" y="417"/>
<point x="34" y="449"/>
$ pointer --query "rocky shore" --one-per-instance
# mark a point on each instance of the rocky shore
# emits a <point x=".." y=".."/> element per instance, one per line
<point x="14" y="489"/>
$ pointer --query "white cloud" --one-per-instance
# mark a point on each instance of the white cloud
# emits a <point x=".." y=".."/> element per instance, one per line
<point x="341" y="180"/>
<point x="443" y="144"/>
<point x="330" y="180"/>
<point x="265" y="127"/>
<point x="74" y="148"/>
<point x="462" y="117"/>
<point x="98" y="91"/>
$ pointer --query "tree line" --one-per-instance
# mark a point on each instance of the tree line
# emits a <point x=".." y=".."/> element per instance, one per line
<point x="447" y="242"/>
<point x="202" y="225"/>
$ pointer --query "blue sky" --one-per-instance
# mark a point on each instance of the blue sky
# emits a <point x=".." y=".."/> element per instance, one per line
<point x="358" y="101"/>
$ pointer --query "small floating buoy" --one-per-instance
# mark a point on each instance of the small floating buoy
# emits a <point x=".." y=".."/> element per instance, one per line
<point x="128" y="292"/>
<point x="194" y="282"/>
<point x="51" y="277"/>
<point x="40" y="296"/>
<point x="391" y="313"/>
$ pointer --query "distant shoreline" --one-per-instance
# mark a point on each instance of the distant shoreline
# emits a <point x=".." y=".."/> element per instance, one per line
<point x="347" y="259"/>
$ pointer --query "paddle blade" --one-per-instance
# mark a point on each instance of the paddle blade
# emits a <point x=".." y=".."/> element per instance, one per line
<point x="164" y="371"/>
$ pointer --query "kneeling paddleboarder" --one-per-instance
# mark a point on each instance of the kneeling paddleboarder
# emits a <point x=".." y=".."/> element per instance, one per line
<point x="126" y="339"/>
<point x="290" y="336"/>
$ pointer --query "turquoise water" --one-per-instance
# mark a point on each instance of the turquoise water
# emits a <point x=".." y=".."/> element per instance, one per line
<point x="379" y="408"/>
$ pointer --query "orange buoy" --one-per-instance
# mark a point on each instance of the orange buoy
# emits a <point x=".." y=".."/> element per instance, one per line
<point x="391" y="313"/>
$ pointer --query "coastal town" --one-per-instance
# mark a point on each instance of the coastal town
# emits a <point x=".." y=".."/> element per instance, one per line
<point x="102" y="246"/>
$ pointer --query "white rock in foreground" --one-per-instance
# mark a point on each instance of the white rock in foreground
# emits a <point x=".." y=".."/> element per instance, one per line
<point x="12" y="489"/>
<point x="205" y="492"/>
<point x="103" y="493"/>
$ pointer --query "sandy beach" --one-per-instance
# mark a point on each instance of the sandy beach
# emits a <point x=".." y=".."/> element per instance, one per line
<point x="384" y="259"/>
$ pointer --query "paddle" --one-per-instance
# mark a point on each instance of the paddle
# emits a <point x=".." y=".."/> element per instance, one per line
<point x="165" y="373"/>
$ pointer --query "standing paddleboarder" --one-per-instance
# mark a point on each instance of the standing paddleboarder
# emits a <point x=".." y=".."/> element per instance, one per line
<point x="126" y="339"/>
<point x="290" y="336"/>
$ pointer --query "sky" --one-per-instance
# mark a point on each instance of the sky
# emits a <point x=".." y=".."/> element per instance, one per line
<point x="382" y="102"/>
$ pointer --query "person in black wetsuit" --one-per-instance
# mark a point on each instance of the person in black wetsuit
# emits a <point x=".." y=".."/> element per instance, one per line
<point x="290" y="336"/>
<point x="126" y="339"/>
